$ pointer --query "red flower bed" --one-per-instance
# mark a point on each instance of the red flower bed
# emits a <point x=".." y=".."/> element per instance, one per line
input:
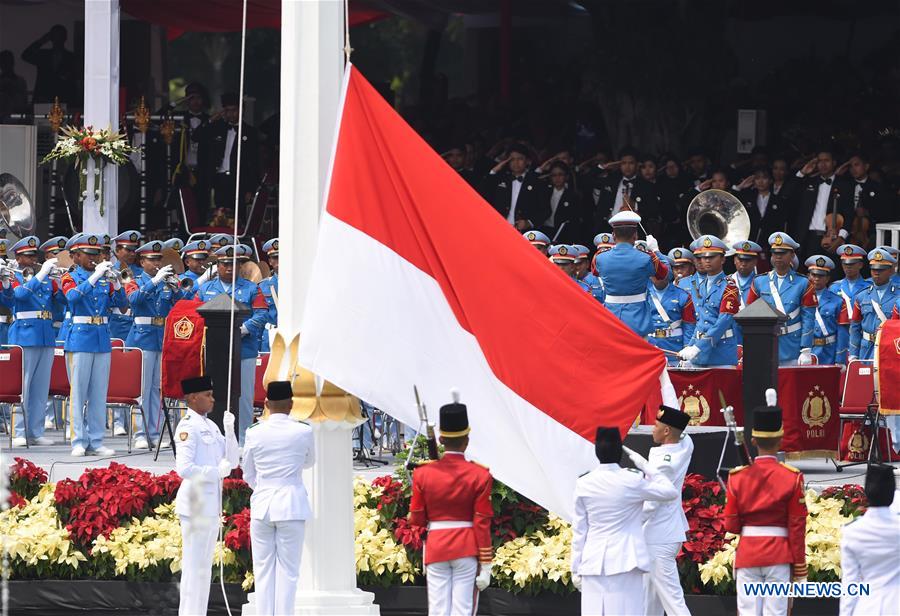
<point x="238" y="536"/>
<point x="704" y="503"/>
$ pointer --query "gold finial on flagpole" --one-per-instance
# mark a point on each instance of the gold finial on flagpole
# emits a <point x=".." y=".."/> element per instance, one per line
<point x="56" y="115"/>
<point x="142" y="117"/>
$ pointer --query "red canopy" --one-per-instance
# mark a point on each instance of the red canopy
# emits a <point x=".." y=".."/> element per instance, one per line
<point x="179" y="16"/>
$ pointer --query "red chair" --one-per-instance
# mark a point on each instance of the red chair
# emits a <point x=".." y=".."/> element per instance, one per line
<point x="259" y="390"/>
<point x="126" y="385"/>
<point x="12" y="384"/>
<point x="117" y="343"/>
<point x="858" y="391"/>
<point x="60" y="388"/>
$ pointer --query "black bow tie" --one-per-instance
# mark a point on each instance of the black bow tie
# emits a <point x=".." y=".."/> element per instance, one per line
<point x="825" y="181"/>
<point x="519" y="178"/>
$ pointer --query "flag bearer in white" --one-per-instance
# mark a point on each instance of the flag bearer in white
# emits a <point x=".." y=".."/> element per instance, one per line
<point x="664" y="522"/>
<point x="609" y="555"/>
<point x="275" y="453"/>
<point x="870" y="549"/>
<point x="203" y="458"/>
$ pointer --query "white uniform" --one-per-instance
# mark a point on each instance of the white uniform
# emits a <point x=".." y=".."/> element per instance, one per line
<point x="870" y="552"/>
<point x="275" y="453"/>
<point x="199" y="447"/>
<point x="665" y="526"/>
<point x="608" y="547"/>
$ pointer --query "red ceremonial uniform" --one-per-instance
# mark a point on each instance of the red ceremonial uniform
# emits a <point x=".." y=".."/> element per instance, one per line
<point x="767" y="494"/>
<point x="453" y="489"/>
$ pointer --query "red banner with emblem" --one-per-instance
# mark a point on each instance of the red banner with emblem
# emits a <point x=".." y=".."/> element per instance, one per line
<point x="809" y="397"/>
<point x="888" y="372"/>
<point x="856" y="440"/>
<point x="182" y="351"/>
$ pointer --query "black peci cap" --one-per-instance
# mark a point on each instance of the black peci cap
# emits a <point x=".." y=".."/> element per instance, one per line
<point x="277" y="391"/>
<point x="608" y="445"/>
<point x="880" y="485"/>
<point x="673" y="417"/>
<point x="196" y="385"/>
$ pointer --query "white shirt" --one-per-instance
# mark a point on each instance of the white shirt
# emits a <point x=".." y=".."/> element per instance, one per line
<point x="225" y="165"/>
<point x="857" y="191"/>
<point x="817" y="223"/>
<point x="516" y="187"/>
<point x="607" y="538"/>
<point x="199" y="447"/>
<point x="870" y="552"/>
<point x="193" y="146"/>
<point x="555" y="198"/>
<point x="665" y="522"/>
<point x="762" y="203"/>
<point x="620" y="194"/>
<point x="275" y="453"/>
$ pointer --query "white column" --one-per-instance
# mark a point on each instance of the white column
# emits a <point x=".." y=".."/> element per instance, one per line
<point x="101" y="103"/>
<point x="311" y="72"/>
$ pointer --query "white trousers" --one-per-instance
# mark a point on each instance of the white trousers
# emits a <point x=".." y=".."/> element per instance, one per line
<point x="197" y="549"/>
<point x="451" y="587"/>
<point x="761" y="606"/>
<point x="662" y="586"/>
<point x="613" y="595"/>
<point x="276" y="564"/>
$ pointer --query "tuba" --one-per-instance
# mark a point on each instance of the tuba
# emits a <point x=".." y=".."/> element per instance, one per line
<point x="719" y="213"/>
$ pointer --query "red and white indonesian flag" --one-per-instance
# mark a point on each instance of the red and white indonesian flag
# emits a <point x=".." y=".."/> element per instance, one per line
<point x="417" y="280"/>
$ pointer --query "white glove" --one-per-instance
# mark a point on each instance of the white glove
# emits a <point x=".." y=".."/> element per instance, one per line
<point x="224" y="469"/>
<point x="805" y="358"/>
<point x="162" y="273"/>
<point x="483" y="579"/>
<point x="639" y="461"/>
<point x="228" y="420"/>
<point x="204" y="277"/>
<point x="688" y="353"/>
<point x="48" y="265"/>
<point x="244" y="331"/>
<point x="652" y="244"/>
<point x="576" y="581"/>
<point x="99" y="272"/>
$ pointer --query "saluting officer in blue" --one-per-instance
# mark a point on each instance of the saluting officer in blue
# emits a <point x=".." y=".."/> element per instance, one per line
<point x="151" y="296"/>
<point x="683" y="268"/>
<point x="269" y="288"/>
<point x="536" y="238"/>
<point x="91" y="295"/>
<point x="830" y="337"/>
<point x="583" y="274"/>
<point x="716" y="301"/>
<point x="873" y="305"/>
<point x="852" y="260"/>
<point x="242" y="290"/>
<point x="6" y="301"/>
<point x="120" y="320"/>
<point x="672" y="314"/>
<point x="625" y="271"/>
<point x="33" y="331"/>
<point x="792" y="295"/>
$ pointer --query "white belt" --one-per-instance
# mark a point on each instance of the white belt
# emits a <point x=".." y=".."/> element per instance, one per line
<point x="277" y="482"/>
<point x="34" y="314"/>
<point x="626" y="299"/>
<point x="665" y="333"/>
<point x="869" y="337"/>
<point x="119" y="313"/>
<point x="448" y="524"/>
<point x="90" y="320"/>
<point x="728" y="334"/>
<point x="793" y="315"/>
<point x="4" y="318"/>
<point x="57" y="323"/>
<point x="68" y="315"/>
<point x="157" y="321"/>
<point x="824" y="341"/>
<point x="764" y="531"/>
<point x="790" y="329"/>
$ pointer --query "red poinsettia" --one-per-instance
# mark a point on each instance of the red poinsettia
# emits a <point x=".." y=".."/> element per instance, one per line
<point x="16" y="501"/>
<point x="703" y="503"/>
<point x="408" y="534"/>
<point x="26" y="478"/>
<point x="238" y="536"/>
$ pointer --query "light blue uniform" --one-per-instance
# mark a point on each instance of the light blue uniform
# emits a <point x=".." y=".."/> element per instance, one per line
<point x="794" y="296"/>
<point x="872" y="306"/>
<point x="716" y="302"/>
<point x="624" y="272"/>
<point x="830" y="347"/>
<point x="266" y="286"/>
<point x="6" y="305"/>
<point x="672" y="317"/>
<point x="88" y="348"/>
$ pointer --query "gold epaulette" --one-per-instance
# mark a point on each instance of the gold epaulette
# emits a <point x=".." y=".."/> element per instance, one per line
<point x="790" y="468"/>
<point x="737" y="469"/>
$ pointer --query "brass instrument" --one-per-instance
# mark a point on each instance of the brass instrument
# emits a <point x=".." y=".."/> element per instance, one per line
<point x="9" y="270"/>
<point x="121" y="277"/>
<point x="719" y="213"/>
<point x="17" y="212"/>
<point x="175" y="283"/>
<point x="58" y="272"/>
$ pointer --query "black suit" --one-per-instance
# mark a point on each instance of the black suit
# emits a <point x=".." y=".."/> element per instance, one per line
<point x="530" y="204"/>
<point x="213" y="138"/>
<point x="877" y="199"/>
<point x="567" y="219"/>
<point x="809" y="192"/>
<point x="642" y="197"/>
<point x="775" y="218"/>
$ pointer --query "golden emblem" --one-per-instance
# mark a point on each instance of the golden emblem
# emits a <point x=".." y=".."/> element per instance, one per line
<point x="694" y="404"/>
<point x="859" y="443"/>
<point x="183" y="328"/>
<point x="746" y="245"/>
<point x="531" y="237"/>
<point x="677" y="254"/>
<point x="563" y="250"/>
<point x="92" y="240"/>
<point x="848" y="250"/>
<point x="820" y="262"/>
<point x="183" y="436"/>
<point x="707" y="243"/>
<point x="779" y="240"/>
<point x="816" y="408"/>
<point x="878" y="256"/>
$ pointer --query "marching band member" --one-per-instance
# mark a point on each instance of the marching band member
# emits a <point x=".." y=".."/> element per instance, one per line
<point x="603" y="242"/>
<point x="126" y="244"/>
<point x="873" y="305"/>
<point x="240" y="289"/>
<point x="563" y="256"/>
<point x="91" y="297"/>
<point x="609" y="554"/>
<point x="792" y="295"/>
<point x="275" y="454"/>
<point x="538" y="239"/>
<point x="672" y="316"/>
<point x="151" y="299"/>
<point x="67" y="317"/>
<point x="583" y="274"/>
<point x="195" y="255"/>
<point x="32" y="329"/>
<point x="51" y="248"/>
<point x="269" y="288"/>
<point x="665" y="524"/>
<point x="216" y="241"/>
<point x="766" y="506"/>
<point x="869" y="551"/>
<point x="830" y="338"/>
<point x="6" y="302"/>
<point x="746" y="256"/>
<point x="682" y="261"/>
<point x="894" y="252"/>
<point x="204" y="457"/>
<point x="452" y="498"/>
<point x="852" y="260"/>
<point x="174" y="243"/>
<point x="624" y="271"/>
<point x="716" y="301"/>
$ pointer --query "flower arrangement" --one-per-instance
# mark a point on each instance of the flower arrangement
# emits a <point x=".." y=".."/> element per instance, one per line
<point x="82" y="145"/>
